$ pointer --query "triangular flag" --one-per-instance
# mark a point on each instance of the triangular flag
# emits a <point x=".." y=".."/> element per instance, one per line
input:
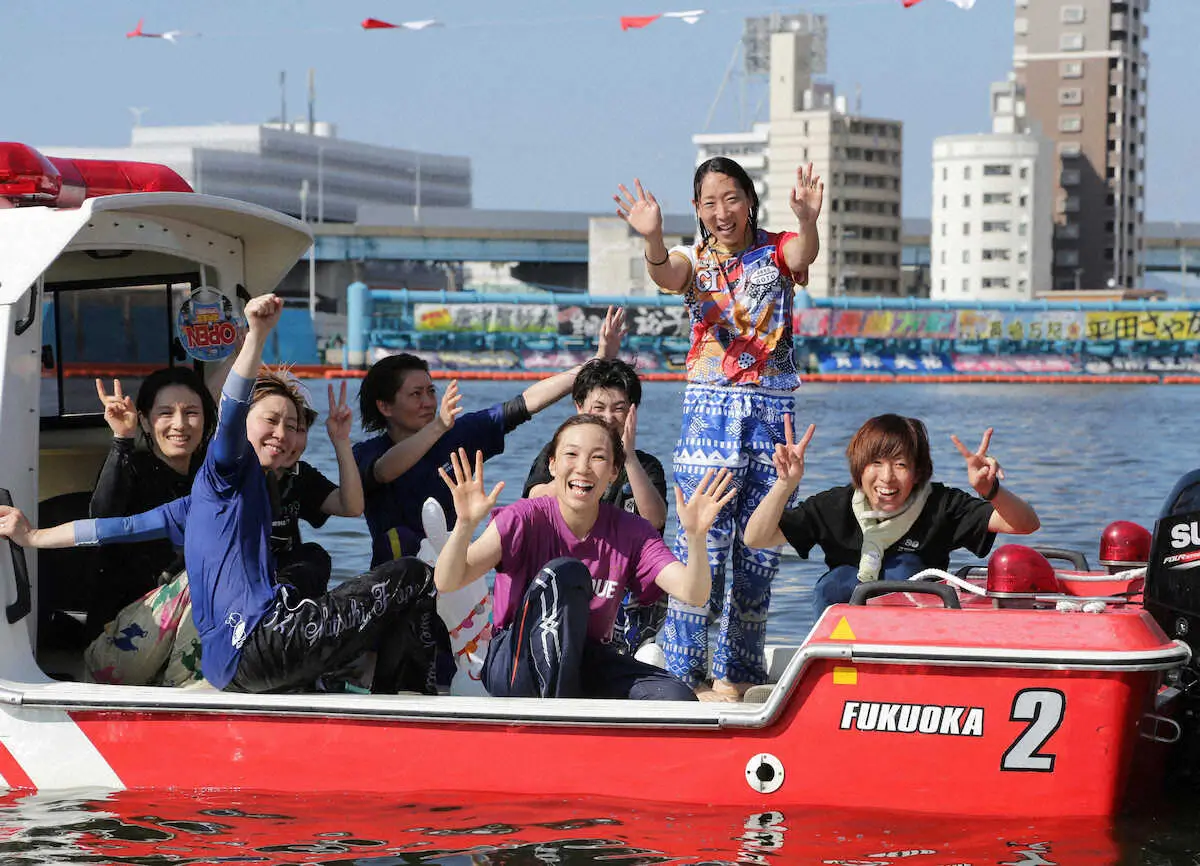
<point x="691" y="16"/>
<point x="420" y="25"/>
<point x="961" y="4"/>
<point x="634" y="22"/>
<point x="376" y="24"/>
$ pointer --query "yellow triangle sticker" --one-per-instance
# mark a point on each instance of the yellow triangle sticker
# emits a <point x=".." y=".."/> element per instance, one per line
<point x="842" y="631"/>
<point x="845" y="676"/>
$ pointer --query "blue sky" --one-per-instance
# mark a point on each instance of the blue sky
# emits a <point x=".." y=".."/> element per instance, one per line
<point x="551" y="100"/>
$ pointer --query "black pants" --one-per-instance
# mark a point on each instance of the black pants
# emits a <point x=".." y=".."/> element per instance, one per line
<point x="390" y="609"/>
<point x="307" y="567"/>
<point x="546" y="652"/>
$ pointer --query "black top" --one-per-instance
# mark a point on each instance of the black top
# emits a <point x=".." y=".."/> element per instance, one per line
<point x="301" y="491"/>
<point x="951" y="519"/>
<point x="619" y="493"/>
<point x="130" y="482"/>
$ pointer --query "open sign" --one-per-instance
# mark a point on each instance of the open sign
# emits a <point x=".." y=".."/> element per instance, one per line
<point x="208" y="328"/>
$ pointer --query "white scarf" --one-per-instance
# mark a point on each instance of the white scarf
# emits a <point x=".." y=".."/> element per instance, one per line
<point x="882" y="529"/>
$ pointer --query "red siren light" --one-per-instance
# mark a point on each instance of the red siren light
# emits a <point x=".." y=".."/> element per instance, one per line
<point x="1015" y="568"/>
<point x="29" y="178"/>
<point x="1125" y="543"/>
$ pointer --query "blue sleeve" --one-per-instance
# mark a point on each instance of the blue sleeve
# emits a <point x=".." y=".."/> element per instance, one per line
<point x="229" y="444"/>
<point x="166" y="521"/>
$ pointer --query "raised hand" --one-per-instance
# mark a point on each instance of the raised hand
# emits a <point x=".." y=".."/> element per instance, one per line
<point x="640" y="210"/>
<point x="119" y="413"/>
<point x="340" y="418"/>
<point x="470" y="500"/>
<point x="713" y="493"/>
<point x="629" y="434"/>
<point x="789" y="457"/>
<point x="262" y="313"/>
<point x="14" y="525"/>
<point x="806" y="196"/>
<point x="612" y="331"/>
<point x="982" y="471"/>
<point x="449" y="408"/>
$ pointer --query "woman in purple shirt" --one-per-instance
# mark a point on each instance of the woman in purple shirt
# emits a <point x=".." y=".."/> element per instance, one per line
<point x="564" y="562"/>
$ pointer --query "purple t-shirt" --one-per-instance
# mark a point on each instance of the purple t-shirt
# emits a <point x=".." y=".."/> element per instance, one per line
<point x="623" y="551"/>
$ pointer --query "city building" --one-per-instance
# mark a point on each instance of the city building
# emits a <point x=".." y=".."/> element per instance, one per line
<point x="1084" y="68"/>
<point x="992" y="208"/>
<point x="289" y="169"/>
<point x="859" y="159"/>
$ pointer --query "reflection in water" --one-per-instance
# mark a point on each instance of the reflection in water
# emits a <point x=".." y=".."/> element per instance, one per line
<point x="158" y="829"/>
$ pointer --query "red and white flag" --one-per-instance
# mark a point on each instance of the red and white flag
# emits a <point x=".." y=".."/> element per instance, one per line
<point x="377" y="24"/>
<point x="636" y="22"/>
<point x="961" y="4"/>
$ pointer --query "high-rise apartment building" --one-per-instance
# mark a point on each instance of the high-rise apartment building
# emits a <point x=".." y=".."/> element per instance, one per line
<point x="992" y="205"/>
<point x="1084" y="69"/>
<point x="859" y="160"/>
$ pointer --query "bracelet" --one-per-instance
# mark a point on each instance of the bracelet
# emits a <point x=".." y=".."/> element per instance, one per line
<point x="991" y="494"/>
<point x="666" y="259"/>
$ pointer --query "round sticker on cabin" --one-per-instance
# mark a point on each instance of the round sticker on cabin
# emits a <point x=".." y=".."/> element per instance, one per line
<point x="208" y="327"/>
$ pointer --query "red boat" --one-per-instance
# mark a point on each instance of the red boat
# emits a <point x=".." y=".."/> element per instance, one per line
<point x="884" y="706"/>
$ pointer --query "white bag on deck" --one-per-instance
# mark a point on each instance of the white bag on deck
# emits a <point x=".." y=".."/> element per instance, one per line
<point x="467" y="612"/>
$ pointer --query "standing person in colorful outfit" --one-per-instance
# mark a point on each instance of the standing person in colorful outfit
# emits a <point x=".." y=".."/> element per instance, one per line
<point x="738" y="283"/>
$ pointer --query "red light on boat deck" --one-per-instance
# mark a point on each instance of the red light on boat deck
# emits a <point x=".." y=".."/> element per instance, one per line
<point x="1125" y="543"/>
<point x="27" y="177"/>
<point x="1016" y="568"/>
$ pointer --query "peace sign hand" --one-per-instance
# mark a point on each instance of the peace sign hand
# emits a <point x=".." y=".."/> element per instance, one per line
<point x="789" y="457"/>
<point x="340" y="418"/>
<point x="641" y="211"/>
<point x="119" y="413"/>
<point x="983" y="472"/>
<point x="806" y="196"/>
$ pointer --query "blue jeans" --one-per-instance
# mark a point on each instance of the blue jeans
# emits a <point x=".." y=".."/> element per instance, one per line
<point x="837" y="585"/>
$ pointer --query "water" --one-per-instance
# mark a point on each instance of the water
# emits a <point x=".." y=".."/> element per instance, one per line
<point x="1083" y="456"/>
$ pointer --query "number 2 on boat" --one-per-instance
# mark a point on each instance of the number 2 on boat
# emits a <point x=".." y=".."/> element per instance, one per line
<point x="1043" y="709"/>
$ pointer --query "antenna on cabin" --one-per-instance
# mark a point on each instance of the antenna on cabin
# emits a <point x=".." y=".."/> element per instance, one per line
<point x="137" y="114"/>
<point x="283" y="124"/>
<point x="312" y="101"/>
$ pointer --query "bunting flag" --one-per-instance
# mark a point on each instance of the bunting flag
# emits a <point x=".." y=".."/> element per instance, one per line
<point x="168" y="35"/>
<point x="376" y="24"/>
<point x="636" y="22"/>
<point x="961" y="4"/>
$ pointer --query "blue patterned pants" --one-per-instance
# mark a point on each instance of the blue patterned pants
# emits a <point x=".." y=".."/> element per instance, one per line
<point x="734" y="428"/>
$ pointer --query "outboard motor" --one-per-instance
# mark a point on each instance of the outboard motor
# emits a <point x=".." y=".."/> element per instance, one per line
<point x="1172" y="597"/>
<point x="1124" y="545"/>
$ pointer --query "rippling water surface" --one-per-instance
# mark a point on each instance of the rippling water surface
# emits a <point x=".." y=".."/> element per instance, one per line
<point x="1084" y="456"/>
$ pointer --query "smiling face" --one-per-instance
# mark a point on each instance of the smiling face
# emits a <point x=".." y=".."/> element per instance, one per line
<point x="583" y="466"/>
<point x="175" y="422"/>
<point x="271" y="427"/>
<point x="611" y="404"/>
<point x="724" y="209"/>
<point x="888" y="482"/>
<point x="414" y="405"/>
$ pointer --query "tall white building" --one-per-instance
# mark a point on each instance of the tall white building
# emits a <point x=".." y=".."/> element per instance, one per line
<point x="269" y="165"/>
<point x="992" y="210"/>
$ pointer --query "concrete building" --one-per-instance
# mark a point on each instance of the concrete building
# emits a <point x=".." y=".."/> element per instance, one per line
<point x="992" y="208"/>
<point x="858" y="158"/>
<point x="268" y="165"/>
<point x="748" y="149"/>
<point x="1084" y="68"/>
<point x="616" y="254"/>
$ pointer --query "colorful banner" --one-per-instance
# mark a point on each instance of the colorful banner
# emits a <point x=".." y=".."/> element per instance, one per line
<point x="1038" y="364"/>
<point x="585" y="321"/>
<point x="1143" y="326"/>
<point x="867" y="362"/>
<point x="487" y="318"/>
<point x="1039" y="325"/>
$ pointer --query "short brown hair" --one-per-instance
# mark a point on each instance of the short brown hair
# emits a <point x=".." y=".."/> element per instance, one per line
<point x="282" y="383"/>
<point x="889" y="437"/>
<point x="614" y="437"/>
